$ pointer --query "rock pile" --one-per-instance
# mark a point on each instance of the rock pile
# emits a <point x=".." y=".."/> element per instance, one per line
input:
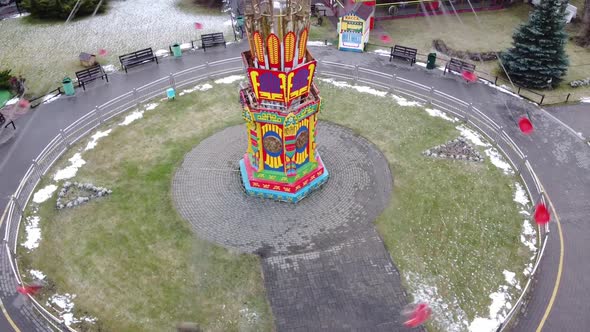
<point x="458" y="148"/>
<point x="66" y="200"/>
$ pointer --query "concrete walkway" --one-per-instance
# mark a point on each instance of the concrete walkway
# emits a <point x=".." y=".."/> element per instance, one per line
<point x="560" y="158"/>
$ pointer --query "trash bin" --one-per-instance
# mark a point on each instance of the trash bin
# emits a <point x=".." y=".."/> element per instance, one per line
<point x="171" y="94"/>
<point x="68" y="86"/>
<point x="431" y="61"/>
<point x="176" y="50"/>
<point x="240" y="21"/>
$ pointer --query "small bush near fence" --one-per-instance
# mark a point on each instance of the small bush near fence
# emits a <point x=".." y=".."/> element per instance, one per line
<point x="578" y="83"/>
<point x="60" y="9"/>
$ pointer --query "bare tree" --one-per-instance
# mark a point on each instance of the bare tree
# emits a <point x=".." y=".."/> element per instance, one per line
<point x="583" y="39"/>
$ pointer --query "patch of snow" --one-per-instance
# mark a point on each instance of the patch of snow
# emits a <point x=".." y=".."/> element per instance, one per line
<point x="12" y="101"/>
<point x="471" y="135"/>
<point x="317" y="43"/>
<point x="68" y="318"/>
<point x="186" y="46"/>
<point x="70" y="171"/>
<point x="382" y="52"/>
<point x="498" y="311"/>
<point x="366" y="89"/>
<point x="229" y="79"/>
<point x="585" y="100"/>
<point x="251" y="316"/>
<point x="37" y="274"/>
<point x="404" y="102"/>
<point x="151" y="106"/>
<point x="483" y="324"/>
<point x="510" y="278"/>
<point x="33" y="232"/>
<point x="65" y="305"/>
<point x="89" y="319"/>
<point x="495" y="157"/>
<point x="359" y="88"/>
<point x="498" y="308"/>
<point x="527" y="236"/>
<point x="19" y="15"/>
<point x="44" y="194"/>
<point x="99" y="134"/>
<point x="502" y="88"/>
<point x="49" y="98"/>
<point x="201" y="87"/>
<point x="64" y="302"/>
<point x="498" y="161"/>
<point x="440" y="114"/>
<point x="109" y="68"/>
<point x="520" y="195"/>
<point x="162" y="53"/>
<point x="131" y="117"/>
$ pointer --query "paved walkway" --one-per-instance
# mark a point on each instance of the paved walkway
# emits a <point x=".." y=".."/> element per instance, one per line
<point x="357" y="192"/>
<point x="325" y="267"/>
<point x="561" y="159"/>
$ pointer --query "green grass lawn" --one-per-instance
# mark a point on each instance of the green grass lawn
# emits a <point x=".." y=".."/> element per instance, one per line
<point x="325" y="31"/>
<point x="451" y="225"/>
<point x="488" y="31"/>
<point x="134" y="263"/>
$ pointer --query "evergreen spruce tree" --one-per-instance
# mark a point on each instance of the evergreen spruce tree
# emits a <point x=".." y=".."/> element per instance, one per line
<point x="538" y="59"/>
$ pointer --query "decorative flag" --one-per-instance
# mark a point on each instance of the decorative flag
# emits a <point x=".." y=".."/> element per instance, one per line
<point x="198" y="26"/>
<point x="542" y="215"/>
<point x="102" y="52"/>
<point x="385" y="38"/>
<point x="417" y="315"/>
<point x="525" y="125"/>
<point x="433" y="5"/>
<point x="29" y="290"/>
<point x="23" y="103"/>
<point x="469" y="76"/>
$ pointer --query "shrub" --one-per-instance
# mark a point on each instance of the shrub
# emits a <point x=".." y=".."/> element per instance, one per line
<point x="60" y="9"/>
<point x="5" y="79"/>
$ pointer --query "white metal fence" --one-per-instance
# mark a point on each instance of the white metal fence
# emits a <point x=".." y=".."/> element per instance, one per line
<point x="14" y="212"/>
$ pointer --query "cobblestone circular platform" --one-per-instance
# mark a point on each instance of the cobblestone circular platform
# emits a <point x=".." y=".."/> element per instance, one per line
<point x="208" y="192"/>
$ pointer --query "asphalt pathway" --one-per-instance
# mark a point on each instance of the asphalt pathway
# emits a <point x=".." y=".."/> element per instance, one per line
<point x="560" y="158"/>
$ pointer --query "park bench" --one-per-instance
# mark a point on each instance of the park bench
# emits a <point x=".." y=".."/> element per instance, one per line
<point x="403" y="52"/>
<point x="137" y="58"/>
<point x="316" y="9"/>
<point x="3" y="119"/>
<point x="212" y="39"/>
<point x="459" y="66"/>
<point x="90" y="74"/>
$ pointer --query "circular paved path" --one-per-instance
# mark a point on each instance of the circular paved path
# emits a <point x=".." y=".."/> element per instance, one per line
<point x="207" y="190"/>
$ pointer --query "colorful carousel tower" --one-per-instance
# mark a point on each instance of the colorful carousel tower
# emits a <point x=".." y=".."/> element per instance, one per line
<point x="281" y="103"/>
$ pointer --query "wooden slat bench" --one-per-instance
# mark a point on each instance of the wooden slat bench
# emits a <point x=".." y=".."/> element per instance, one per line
<point x="459" y="66"/>
<point x="90" y="74"/>
<point x="406" y="53"/>
<point x="212" y="39"/>
<point x="137" y="58"/>
<point x="317" y="9"/>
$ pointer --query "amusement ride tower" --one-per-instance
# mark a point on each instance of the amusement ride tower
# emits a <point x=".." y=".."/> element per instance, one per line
<point x="280" y="103"/>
